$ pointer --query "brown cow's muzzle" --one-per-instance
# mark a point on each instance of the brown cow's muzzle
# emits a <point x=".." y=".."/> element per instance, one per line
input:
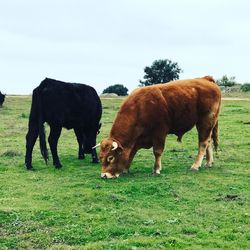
<point x="109" y="176"/>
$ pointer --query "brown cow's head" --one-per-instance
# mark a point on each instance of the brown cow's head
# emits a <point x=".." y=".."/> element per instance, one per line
<point x="113" y="158"/>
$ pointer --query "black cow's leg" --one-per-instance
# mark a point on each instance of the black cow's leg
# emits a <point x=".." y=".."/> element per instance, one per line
<point x="54" y="135"/>
<point x="92" y="142"/>
<point x="30" y="142"/>
<point x="80" y="140"/>
<point x="94" y="156"/>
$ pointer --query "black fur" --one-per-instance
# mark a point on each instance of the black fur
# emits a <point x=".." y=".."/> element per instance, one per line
<point x="2" y="97"/>
<point x="69" y="105"/>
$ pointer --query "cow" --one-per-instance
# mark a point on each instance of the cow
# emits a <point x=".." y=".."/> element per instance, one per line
<point x="2" y="97"/>
<point x="150" y="113"/>
<point x="61" y="104"/>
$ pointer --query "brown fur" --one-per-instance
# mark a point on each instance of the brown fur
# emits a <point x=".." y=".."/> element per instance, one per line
<point x="148" y="114"/>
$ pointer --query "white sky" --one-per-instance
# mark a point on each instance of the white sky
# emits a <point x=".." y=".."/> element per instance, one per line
<point x="106" y="42"/>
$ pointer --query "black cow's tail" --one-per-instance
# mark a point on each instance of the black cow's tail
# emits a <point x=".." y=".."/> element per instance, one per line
<point x="42" y="140"/>
<point x="215" y="136"/>
<point x="42" y="136"/>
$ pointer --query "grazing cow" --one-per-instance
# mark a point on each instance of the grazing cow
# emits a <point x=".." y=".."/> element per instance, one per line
<point x="2" y="97"/>
<point x="68" y="105"/>
<point x="150" y="113"/>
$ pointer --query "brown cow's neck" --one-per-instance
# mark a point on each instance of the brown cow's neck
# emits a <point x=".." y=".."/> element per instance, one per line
<point x="123" y="129"/>
<point x="122" y="137"/>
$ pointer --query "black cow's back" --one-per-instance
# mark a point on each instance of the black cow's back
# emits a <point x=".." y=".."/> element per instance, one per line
<point x="69" y="104"/>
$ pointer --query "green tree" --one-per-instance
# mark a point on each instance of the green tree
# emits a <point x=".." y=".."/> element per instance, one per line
<point x="245" y="87"/>
<point x="118" y="89"/>
<point x="161" y="71"/>
<point x="226" y="81"/>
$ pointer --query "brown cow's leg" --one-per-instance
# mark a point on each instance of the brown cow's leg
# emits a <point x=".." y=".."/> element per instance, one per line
<point x="204" y="133"/>
<point x="157" y="166"/>
<point x="158" y="147"/>
<point x="209" y="155"/>
<point x="131" y="157"/>
<point x="198" y="160"/>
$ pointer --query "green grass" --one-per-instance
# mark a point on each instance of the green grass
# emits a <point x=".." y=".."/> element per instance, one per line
<point x="73" y="208"/>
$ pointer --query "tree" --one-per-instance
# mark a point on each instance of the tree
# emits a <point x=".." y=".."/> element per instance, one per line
<point x="226" y="81"/>
<point x="161" y="71"/>
<point x="118" y="89"/>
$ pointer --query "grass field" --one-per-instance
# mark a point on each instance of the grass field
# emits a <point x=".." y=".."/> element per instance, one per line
<point x="73" y="208"/>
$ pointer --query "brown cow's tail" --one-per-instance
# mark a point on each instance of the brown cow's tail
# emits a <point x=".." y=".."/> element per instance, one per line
<point x="215" y="136"/>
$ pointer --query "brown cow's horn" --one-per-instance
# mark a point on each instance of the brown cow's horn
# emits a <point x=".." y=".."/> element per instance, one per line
<point x="114" y="145"/>
<point x="97" y="145"/>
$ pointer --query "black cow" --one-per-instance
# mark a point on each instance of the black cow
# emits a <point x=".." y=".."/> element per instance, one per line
<point x="68" y="105"/>
<point x="2" y="97"/>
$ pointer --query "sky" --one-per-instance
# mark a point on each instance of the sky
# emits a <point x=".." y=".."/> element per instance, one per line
<point x="107" y="42"/>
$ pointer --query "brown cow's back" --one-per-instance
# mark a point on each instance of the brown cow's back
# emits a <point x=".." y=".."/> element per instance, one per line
<point x="177" y="105"/>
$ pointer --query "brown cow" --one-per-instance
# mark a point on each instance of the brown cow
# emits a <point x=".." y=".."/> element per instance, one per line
<point x="150" y="113"/>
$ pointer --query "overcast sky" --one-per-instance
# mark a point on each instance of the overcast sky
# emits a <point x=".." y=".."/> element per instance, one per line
<point x="102" y="43"/>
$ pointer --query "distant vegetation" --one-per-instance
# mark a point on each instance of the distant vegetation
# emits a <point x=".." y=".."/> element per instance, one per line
<point x="161" y="71"/>
<point x="118" y="89"/>
<point x="229" y="84"/>
<point x="245" y="87"/>
<point x="226" y="81"/>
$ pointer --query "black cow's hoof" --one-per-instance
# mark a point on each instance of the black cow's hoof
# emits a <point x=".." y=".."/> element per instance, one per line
<point x="95" y="161"/>
<point x="58" y="165"/>
<point x="81" y="157"/>
<point x="29" y="167"/>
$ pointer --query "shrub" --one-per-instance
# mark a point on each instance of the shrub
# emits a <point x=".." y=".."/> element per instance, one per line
<point x="226" y="81"/>
<point x="117" y="89"/>
<point x="245" y="87"/>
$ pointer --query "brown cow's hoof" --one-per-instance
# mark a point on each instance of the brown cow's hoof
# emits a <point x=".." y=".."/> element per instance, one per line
<point x="125" y="171"/>
<point x="208" y="165"/>
<point x="156" y="173"/>
<point x="194" y="169"/>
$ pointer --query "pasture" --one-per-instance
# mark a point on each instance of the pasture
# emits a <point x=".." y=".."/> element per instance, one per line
<point x="73" y="208"/>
